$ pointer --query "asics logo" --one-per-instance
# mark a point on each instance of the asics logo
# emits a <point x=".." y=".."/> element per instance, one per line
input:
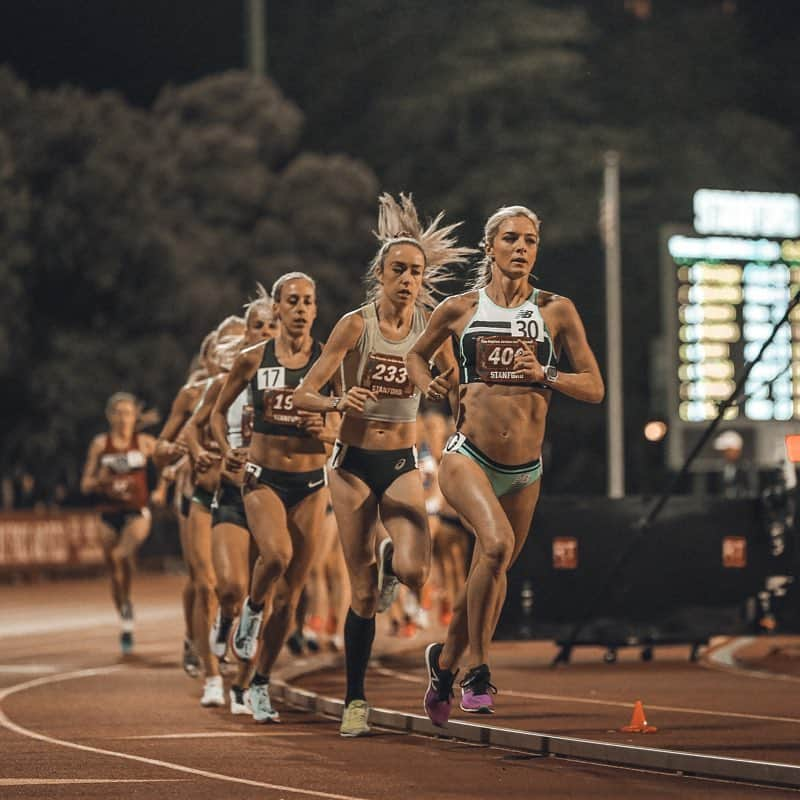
<point x="400" y="464"/>
<point x="314" y="484"/>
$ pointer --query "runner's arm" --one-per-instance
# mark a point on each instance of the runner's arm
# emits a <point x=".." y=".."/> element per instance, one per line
<point x="585" y="381"/>
<point x="89" y="481"/>
<point x="343" y="339"/>
<point x="242" y="372"/>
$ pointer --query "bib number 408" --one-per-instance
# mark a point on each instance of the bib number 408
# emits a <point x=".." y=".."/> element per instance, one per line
<point x="501" y="356"/>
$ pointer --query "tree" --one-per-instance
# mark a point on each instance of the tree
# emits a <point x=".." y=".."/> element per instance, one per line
<point x="126" y="235"/>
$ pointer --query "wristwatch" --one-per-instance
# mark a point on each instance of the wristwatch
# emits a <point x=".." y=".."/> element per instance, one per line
<point x="551" y="373"/>
<point x="335" y="403"/>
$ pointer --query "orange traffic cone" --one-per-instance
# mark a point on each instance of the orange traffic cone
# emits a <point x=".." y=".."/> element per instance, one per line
<point x="638" y="722"/>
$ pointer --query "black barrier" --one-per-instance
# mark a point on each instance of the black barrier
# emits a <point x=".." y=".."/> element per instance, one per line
<point x="697" y="572"/>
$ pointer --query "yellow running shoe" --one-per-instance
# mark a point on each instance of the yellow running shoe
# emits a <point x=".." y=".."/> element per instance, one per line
<point x="354" y="719"/>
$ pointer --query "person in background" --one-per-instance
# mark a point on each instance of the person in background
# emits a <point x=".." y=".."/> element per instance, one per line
<point x="116" y="471"/>
<point x="738" y="478"/>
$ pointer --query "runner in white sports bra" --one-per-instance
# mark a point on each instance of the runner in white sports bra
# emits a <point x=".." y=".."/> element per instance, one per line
<point x="375" y="477"/>
<point x="509" y="337"/>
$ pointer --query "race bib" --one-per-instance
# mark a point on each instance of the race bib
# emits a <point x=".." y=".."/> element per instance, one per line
<point x="387" y="376"/>
<point x="121" y="488"/>
<point x="270" y="377"/>
<point x="279" y="407"/>
<point x="495" y="358"/>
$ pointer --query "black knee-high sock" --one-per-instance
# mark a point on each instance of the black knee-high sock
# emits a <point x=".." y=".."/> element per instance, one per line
<point x="358" y="635"/>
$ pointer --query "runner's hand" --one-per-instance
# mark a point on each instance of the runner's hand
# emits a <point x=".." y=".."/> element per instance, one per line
<point x="526" y="362"/>
<point x="355" y="399"/>
<point x="235" y="459"/>
<point x="205" y="460"/>
<point x="439" y="386"/>
<point x="312" y="422"/>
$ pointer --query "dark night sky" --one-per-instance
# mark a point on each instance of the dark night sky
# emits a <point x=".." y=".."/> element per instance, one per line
<point x="134" y="47"/>
<point x="137" y="47"/>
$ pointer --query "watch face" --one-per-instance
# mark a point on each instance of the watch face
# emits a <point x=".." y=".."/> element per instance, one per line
<point x="551" y="373"/>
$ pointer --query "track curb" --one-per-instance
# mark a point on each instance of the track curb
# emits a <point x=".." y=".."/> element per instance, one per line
<point x="541" y="744"/>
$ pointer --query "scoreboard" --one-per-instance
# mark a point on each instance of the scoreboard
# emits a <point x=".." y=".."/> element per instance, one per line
<point x="726" y="284"/>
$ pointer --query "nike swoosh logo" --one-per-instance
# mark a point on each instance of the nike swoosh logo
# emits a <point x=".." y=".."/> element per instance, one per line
<point x="314" y="484"/>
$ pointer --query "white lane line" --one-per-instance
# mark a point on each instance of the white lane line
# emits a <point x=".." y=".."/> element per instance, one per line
<point x="67" y="781"/>
<point x="76" y="619"/>
<point x="27" y="669"/>
<point x="217" y="735"/>
<point x="617" y="703"/>
<point x="723" y="658"/>
<point x="6" y="723"/>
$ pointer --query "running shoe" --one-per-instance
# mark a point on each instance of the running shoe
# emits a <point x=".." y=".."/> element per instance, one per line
<point x="240" y="701"/>
<point x="477" y="691"/>
<point x="126" y="616"/>
<point x="218" y="636"/>
<point x="422" y="619"/>
<point x="311" y="640"/>
<point x="213" y="693"/>
<point x="296" y="643"/>
<point x="245" y="636"/>
<point x="126" y="625"/>
<point x="388" y="583"/>
<point x="439" y="697"/>
<point x="261" y="704"/>
<point x="126" y="642"/>
<point x="191" y="663"/>
<point x="354" y="719"/>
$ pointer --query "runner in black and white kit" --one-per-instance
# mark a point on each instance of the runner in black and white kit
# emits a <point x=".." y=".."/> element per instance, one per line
<point x="509" y="339"/>
<point x="285" y="487"/>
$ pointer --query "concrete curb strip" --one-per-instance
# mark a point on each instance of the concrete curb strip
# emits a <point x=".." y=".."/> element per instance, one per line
<point x="706" y="766"/>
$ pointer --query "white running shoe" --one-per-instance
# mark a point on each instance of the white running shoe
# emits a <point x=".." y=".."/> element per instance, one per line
<point x="240" y="701"/>
<point x="388" y="583"/>
<point x="213" y="693"/>
<point x="262" y="707"/>
<point x="422" y="619"/>
<point x="245" y="635"/>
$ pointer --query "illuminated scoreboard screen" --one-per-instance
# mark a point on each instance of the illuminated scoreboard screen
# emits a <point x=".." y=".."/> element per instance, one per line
<point x="731" y="292"/>
<point x="728" y="282"/>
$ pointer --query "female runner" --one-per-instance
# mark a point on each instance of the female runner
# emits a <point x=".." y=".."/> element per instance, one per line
<point x="509" y="340"/>
<point x="230" y="536"/>
<point x="205" y="477"/>
<point x="116" y="468"/>
<point x="284" y="477"/>
<point x="375" y="477"/>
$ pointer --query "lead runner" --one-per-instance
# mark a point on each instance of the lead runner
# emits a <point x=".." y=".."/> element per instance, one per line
<point x="510" y="336"/>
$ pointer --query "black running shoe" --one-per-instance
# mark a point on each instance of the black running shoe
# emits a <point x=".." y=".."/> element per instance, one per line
<point x="439" y="696"/>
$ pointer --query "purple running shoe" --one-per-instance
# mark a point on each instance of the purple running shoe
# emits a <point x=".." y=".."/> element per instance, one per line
<point x="439" y="696"/>
<point x="477" y="691"/>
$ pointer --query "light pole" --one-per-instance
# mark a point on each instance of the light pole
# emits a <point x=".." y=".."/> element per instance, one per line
<point x="614" y="403"/>
<point x="255" y="34"/>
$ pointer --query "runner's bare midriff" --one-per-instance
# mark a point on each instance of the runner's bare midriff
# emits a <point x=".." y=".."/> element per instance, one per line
<point x="287" y="453"/>
<point x="506" y="422"/>
<point x="372" y="434"/>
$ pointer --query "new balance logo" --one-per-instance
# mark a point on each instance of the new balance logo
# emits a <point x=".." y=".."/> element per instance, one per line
<point x="526" y="313"/>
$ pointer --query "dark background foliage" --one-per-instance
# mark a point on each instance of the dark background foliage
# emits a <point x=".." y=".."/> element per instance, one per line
<point x="132" y="220"/>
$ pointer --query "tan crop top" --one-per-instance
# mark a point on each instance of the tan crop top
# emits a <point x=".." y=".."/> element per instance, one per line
<point x="378" y="363"/>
